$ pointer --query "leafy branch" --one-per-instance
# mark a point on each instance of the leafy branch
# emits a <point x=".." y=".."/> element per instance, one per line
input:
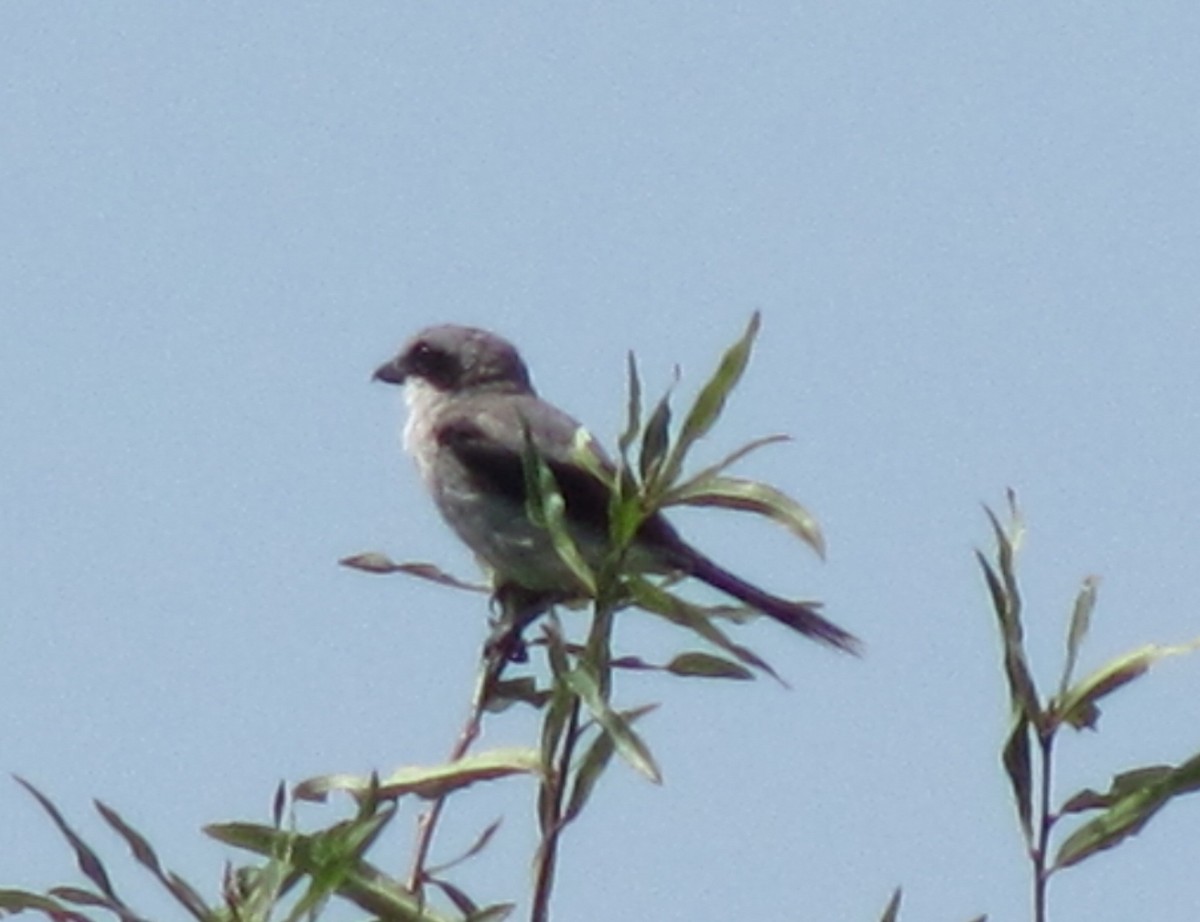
<point x="1036" y="722"/>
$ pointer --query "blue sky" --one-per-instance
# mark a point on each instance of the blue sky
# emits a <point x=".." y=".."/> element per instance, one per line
<point x="973" y="235"/>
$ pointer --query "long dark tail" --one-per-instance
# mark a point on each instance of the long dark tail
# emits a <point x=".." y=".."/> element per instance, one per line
<point x="798" y="616"/>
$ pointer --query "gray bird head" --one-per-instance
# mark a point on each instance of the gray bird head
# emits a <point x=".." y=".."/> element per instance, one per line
<point x="454" y="359"/>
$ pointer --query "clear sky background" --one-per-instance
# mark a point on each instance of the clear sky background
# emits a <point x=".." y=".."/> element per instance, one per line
<point x="974" y="234"/>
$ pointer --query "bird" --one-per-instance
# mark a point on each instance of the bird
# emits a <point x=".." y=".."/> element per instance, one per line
<point x="472" y="416"/>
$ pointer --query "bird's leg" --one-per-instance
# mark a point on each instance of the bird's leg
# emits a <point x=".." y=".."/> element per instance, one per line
<point x="517" y="608"/>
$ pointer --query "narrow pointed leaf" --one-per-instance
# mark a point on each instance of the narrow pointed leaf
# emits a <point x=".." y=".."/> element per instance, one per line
<point x="497" y="912"/>
<point x="361" y="883"/>
<point x="370" y="562"/>
<point x="628" y="744"/>
<point x="480" y="843"/>
<point x="633" y="413"/>
<point x="558" y="715"/>
<point x="141" y="848"/>
<point x="655" y="439"/>
<point x="1078" y="706"/>
<point x="658" y="601"/>
<point x="593" y="764"/>
<point x="14" y="901"/>
<point x="183" y="892"/>
<point x="891" y="912"/>
<point x="428" y="782"/>
<point x="82" y="897"/>
<point x="1018" y="765"/>
<point x="280" y="804"/>
<point x="1122" y="785"/>
<point x="88" y="861"/>
<point x="705" y="665"/>
<point x="375" y="562"/>
<point x="556" y="647"/>
<point x="462" y="902"/>
<point x="732" y="458"/>
<point x="523" y="690"/>
<point x="710" y="402"/>
<point x="253" y="892"/>
<point x="1022" y="690"/>
<point x="1128" y="813"/>
<point x="751" y="496"/>
<point x="1081" y="619"/>
<point x="1007" y="543"/>
<point x="634" y="662"/>
<point x="625" y="515"/>
<point x="546" y="508"/>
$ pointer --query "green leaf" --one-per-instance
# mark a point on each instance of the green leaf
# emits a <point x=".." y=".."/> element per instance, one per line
<point x="707" y="666"/>
<point x="891" y="912"/>
<point x="143" y="852"/>
<point x="462" y="902"/>
<point x="253" y="893"/>
<point x="710" y="402"/>
<point x="375" y="562"/>
<point x="82" y="897"/>
<point x="87" y="859"/>
<point x="14" y="901"/>
<point x="360" y="882"/>
<point x="480" y="843"/>
<point x="560" y="714"/>
<point x="750" y="496"/>
<point x="280" y="804"/>
<point x="1122" y="785"/>
<point x="628" y="744"/>
<point x="1077" y="706"/>
<point x="625" y="517"/>
<point x="1006" y="599"/>
<point x="522" y="690"/>
<point x="1018" y="765"/>
<point x="733" y="457"/>
<point x="1022" y="691"/>
<point x="556" y="648"/>
<point x="1081" y="619"/>
<point x="633" y="413"/>
<point x="428" y="782"/>
<point x="633" y="662"/>
<point x="1135" y="798"/>
<point x="659" y="602"/>
<point x="593" y="764"/>
<point x="546" y="508"/>
<point x="655" y="439"/>
<point x="336" y="853"/>
<point x="497" y="912"/>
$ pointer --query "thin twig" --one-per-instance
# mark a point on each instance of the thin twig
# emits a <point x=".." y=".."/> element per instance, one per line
<point x="1046" y="822"/>
<point x="548" y="851"/>
<point x="492" y="663"/>
<point x="595" y="658"/>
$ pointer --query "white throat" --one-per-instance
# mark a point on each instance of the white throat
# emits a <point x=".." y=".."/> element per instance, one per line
<point x="423" y="400"/>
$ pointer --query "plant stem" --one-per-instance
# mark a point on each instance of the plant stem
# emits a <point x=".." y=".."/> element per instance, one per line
<point x="492" y="665"/>
<point x="547" y="857"/>
<point x="1045" y="825"/>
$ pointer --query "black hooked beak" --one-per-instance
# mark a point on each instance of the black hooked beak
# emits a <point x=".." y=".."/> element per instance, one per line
<point x="391" y="372"/>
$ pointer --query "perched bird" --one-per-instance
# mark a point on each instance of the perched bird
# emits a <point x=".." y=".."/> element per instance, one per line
<point x="471" y="410"/>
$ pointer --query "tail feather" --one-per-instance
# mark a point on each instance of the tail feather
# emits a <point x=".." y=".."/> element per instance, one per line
<point x="799" y="616"/>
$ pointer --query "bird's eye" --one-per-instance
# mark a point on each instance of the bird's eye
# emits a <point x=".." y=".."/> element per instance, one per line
<point x="431" y="363"/>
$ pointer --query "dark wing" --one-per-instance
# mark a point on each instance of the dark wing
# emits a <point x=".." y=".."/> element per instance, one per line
<point x="486" y="435"/>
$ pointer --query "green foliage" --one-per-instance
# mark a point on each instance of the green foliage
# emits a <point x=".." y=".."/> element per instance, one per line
<point x="571" y="685"/>
<point x="1028" y="751"/>
<point x="581" y="729"/>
